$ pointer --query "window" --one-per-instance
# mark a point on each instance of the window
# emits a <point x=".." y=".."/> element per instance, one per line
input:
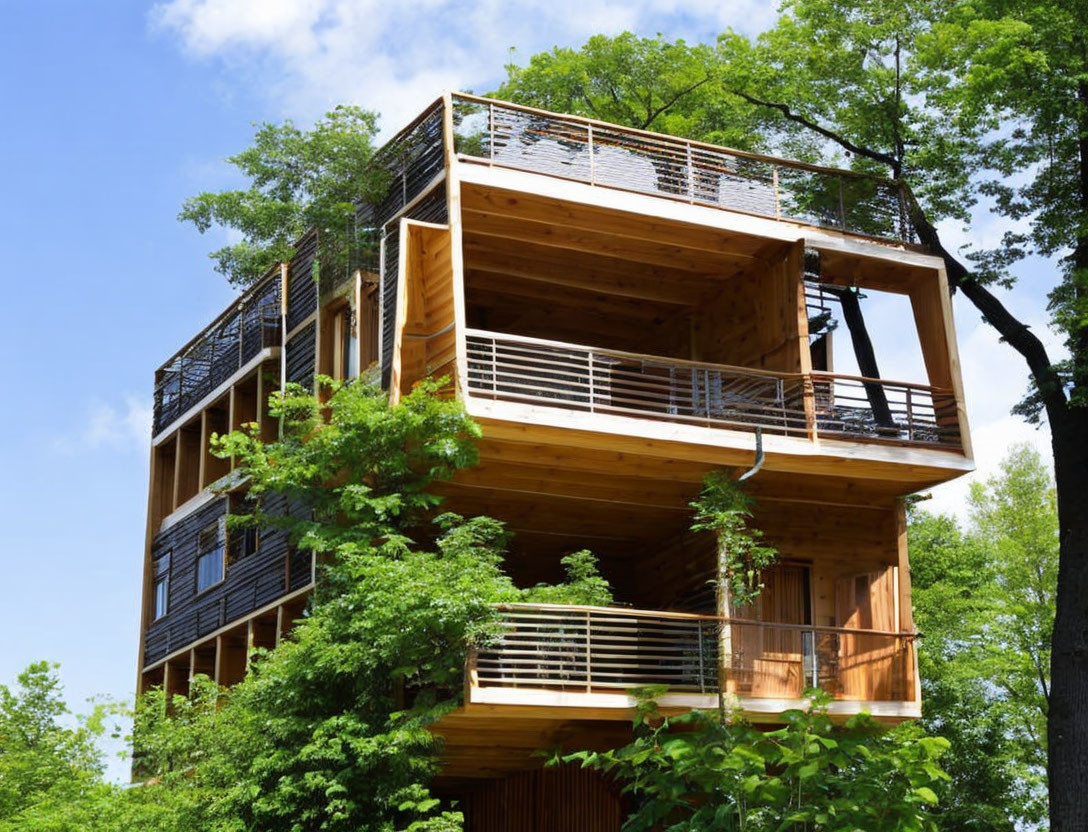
<point x="242" y="542"/>
<point x="162" y="585"/>
<point x="209" y="558"/>
<point x="345" y="344"/>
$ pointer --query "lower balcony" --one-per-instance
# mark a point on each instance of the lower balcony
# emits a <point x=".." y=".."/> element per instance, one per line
<point x="576" y="377"/>
<point x="583" y="662"/>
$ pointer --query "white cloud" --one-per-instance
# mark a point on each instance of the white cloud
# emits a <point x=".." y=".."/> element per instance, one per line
<point x="307" y="55"/>
<point x="124" y="427"/>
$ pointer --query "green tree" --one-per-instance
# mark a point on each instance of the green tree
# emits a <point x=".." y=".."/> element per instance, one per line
<point x="984" y="601"/>
<point x="51" y="768"/>
<point x="647" y="83"/>
<point x="962" y="100"/>
<point x="329" y="730"/>
<point x="298" y="180"/>
<point x="41" y="758"/>
<point x="698" y="773"/>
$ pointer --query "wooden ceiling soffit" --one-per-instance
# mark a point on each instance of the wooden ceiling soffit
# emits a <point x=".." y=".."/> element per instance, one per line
<point x="595" y="241"/>
<point x="605" y="275"/>
<point x="632" y="226"/>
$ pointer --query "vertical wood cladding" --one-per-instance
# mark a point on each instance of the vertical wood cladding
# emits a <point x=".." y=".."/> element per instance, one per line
<point x="558" y="799"/>
<point x="249" y="583"/>
<point x="301" y="355"/>
<point x="301" y="286"/>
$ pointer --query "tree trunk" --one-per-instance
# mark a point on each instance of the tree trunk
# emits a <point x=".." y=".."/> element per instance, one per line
<point x="1067" y="722"/>
<point x="863" y="351"/>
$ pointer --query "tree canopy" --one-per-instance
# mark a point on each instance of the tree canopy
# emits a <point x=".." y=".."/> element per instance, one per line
<point x="297" y="180"/>
<point x="984" y="600"/>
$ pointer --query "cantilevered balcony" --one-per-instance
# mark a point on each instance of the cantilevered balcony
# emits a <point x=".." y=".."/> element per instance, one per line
<point x="570" y="657"/>
<point x="576" y="377"/>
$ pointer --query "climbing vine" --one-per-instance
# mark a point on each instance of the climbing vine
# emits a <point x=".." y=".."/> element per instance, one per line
<point x="724" y="509"/>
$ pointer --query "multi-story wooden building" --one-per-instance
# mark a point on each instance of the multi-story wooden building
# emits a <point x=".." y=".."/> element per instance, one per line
<point x="621" y="312"/>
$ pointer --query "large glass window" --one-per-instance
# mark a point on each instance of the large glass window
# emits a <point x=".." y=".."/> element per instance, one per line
<point x="209" y="560"/>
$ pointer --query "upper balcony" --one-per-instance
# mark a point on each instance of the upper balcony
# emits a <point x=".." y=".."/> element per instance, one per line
<point x="507" y="135"/>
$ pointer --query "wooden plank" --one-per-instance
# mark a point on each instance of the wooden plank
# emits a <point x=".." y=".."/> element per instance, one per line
<point x="877" y="253"/>
<point x="598" y="242"/>
<point x="608" y="275"/>
<point x="911" y="468"/>
<point x="630" y="226"/>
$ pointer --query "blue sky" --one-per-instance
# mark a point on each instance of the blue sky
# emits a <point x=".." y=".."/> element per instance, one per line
<point x="114" y="113"/>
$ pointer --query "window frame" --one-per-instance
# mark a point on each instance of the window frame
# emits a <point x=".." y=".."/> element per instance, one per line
<point x="161" y="582"/>
<point x="202" y="554"/>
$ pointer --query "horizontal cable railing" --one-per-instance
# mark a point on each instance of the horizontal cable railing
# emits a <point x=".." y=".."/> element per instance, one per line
<point x="609" y="381"/>
<point x="218" y="352"/>
<point x="589" y="649"/>
<point x="852" y="406"/>
<point x="578" y="377"/>
<point x="605" y="154"/>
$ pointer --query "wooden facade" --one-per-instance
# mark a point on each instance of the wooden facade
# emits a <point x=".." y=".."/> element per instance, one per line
<point x="622" y="313"/>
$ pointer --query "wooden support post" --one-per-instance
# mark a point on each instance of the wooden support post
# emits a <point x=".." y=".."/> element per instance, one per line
<point x="219" y="657"/>
<point x="177" y="470"/>
<point x="202" y="466"/>
<point x="906" y="615"/>
<point x="795" y="277"/>
<point x="232" y="413"/>
<point x="249" y="644"/>
<point x="905" y="620"/>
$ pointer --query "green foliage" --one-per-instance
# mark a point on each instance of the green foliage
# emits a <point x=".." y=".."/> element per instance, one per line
<point x="695" y="772"/>
<point x="329" y="731"/>
<point x="723" y="508"/>
<point x="298" y="180"/>
<point x="40" y="758"/>
<point x="648" y="83"/>
<point x="984" y="600"/>
<point x="51" y="768"/>
<point x="583" y="586"/>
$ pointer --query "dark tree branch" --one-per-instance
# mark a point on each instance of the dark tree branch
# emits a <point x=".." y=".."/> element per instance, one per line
<point x="1017" y="334"/>
<point x="687" y="90"/>
<point x="840" y="140"/>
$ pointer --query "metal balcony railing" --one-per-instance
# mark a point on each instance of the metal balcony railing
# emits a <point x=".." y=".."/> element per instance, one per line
<point x="218" y="352"/>
<point x="572" y="376"/>
<point x="625" y="158"/>
<point x="586" y="649"/>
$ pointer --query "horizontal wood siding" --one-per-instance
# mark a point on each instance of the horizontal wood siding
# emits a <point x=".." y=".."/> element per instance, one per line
<point x="301" y="355"/>
<point x="391" y="256"/>
<point x="250" y="583"/>
<point x="301" y="286"/>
